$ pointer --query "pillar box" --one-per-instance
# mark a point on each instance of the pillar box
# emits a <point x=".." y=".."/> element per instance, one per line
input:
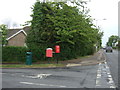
<point x="49" y="52"/>
<point x="57" y="49"/>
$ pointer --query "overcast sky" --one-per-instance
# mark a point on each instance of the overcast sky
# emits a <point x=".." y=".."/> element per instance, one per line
<point x="19" y="11"/>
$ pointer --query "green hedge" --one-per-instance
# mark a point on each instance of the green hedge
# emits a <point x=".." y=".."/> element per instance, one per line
<point x="18" y="54"/>
<point x="13" y="54"/>
<point x="67" y="51"/>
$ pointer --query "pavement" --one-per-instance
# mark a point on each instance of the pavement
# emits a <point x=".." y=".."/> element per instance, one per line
<point x="97" y="58"/>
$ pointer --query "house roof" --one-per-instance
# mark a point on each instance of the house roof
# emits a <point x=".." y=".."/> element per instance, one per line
<point x="13" y="32"/>
<point x="27" y="29"/>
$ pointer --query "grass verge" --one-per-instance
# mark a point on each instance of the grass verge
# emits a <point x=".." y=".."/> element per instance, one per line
<point x="30" y="66"/>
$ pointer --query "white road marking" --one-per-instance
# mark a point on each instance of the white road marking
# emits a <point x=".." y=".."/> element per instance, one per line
<point x="70" y="65"/>
<point x="109" y="76"/>
<point x="97" y="82"/>
<point x="102" y="72"/>
<point x="38" y="76"/>
<point x="43" y="75"/>
<point x="99" y="75"/>
<point x="112" y="87"/>
<point x="29" y="83"/>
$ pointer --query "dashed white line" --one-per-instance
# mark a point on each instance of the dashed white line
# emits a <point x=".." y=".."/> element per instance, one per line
<point x="102" y="72"/>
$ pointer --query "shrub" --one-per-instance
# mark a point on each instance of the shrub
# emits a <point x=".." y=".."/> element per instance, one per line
<point x="14" y="54"/>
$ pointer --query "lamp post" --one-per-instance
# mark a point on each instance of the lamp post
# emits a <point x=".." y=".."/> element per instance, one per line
<point x="97" y="43"/>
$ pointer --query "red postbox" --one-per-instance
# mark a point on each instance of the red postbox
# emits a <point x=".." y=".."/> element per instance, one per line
<point x="49" y="52"/>
<point x="57" y="49"/>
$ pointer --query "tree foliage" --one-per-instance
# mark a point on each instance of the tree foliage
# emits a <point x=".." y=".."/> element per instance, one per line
<point x="112" y="40"/>
<point x="56" y="23"/>
<point x="3" y="31"/>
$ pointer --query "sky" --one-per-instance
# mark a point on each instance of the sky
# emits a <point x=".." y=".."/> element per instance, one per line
<point x="105" y="13"/>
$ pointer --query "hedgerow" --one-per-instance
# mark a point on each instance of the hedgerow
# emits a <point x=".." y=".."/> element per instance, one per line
<point x="14" y="54"/>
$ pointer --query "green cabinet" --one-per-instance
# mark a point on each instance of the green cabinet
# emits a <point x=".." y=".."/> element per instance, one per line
<point x="28" y="58"/>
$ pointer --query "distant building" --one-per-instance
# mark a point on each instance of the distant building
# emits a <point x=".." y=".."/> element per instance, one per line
<point x="17" y="37"/>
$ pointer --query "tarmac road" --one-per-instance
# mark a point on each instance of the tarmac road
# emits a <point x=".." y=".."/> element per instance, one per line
<point x="72" y="77"/>
<point x="88" y="76"/>
<point x="112" y="60"/>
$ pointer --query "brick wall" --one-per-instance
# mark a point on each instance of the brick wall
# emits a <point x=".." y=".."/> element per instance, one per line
<point x="18" y="40"/>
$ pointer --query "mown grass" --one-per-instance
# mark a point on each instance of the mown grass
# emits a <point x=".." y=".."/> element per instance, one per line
<point x="30" y="66"/>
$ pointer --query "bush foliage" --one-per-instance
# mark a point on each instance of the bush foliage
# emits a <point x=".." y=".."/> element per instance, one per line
<point x="14" y="54"/>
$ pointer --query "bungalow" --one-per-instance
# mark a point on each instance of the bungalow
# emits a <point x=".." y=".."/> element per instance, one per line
<point x="17" y="37"/>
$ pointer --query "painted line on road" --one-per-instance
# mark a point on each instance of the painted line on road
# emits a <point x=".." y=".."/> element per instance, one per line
<point x="29" y="83"/>
<point x="72" y="64"/>
<point x="40" y="76"/>
<point x="112" y="85"/>
<point x="103" y="74"/>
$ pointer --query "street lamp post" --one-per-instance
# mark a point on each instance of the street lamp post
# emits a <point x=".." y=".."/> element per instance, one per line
<point x="98" y="27"/>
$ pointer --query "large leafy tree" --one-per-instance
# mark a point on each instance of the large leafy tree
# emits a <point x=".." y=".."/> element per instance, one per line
<point x="58" y="23"/>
